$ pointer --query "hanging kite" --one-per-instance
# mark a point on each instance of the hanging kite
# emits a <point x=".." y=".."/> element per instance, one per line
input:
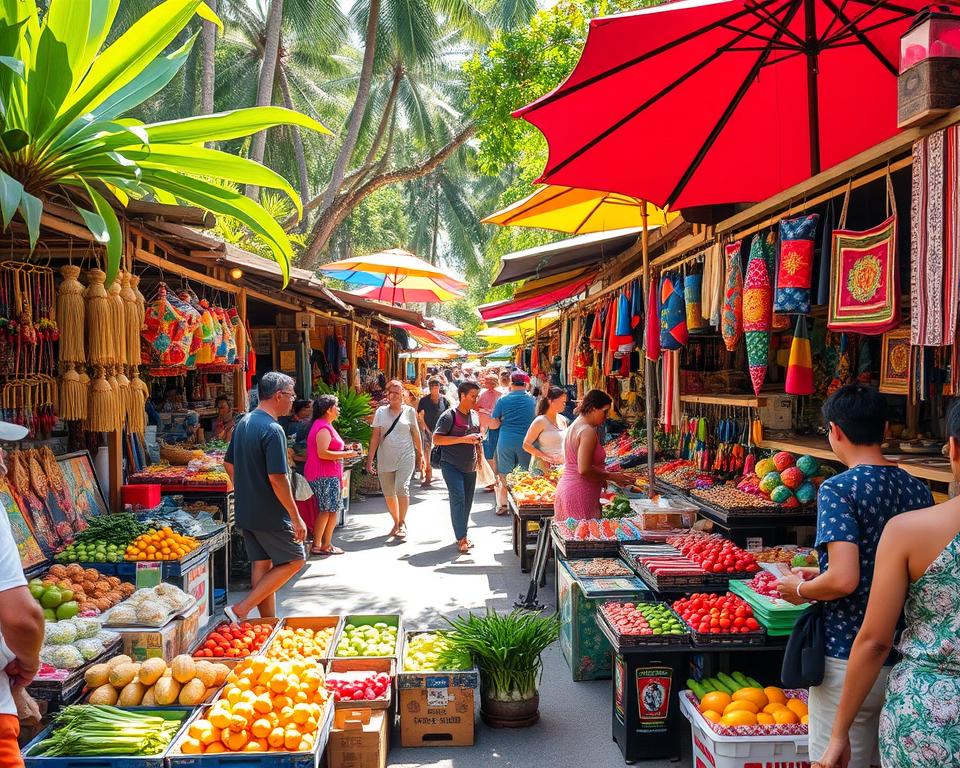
<point x="757" y="308"/>
<point x="673" y="314"/>
<point x="731" y="315"/>
<point x="799" y="379"/>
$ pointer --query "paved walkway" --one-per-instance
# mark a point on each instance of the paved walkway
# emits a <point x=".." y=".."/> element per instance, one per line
<point x="426" y="579"/>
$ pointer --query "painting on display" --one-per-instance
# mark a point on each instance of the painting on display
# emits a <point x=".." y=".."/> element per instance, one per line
<point x="81" y="485"/>
<point x="895" y="362"/>
<point x="27" y="545"/>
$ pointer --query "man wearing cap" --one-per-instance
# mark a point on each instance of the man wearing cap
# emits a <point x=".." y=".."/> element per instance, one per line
<point x="21" y="625"/>
<point x="512" y="415"/>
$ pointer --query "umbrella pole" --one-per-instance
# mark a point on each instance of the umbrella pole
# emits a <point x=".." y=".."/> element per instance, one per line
<point x="813" y="90"/>
<point x="650" y="370"/>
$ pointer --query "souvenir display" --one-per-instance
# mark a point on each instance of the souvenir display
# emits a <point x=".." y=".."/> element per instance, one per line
<point x="731" y="321"/>
<point x="795" y="265"/>
<point x="757" y="303"/>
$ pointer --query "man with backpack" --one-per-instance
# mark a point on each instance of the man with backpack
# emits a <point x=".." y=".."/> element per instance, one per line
<point x="428" y="411"/>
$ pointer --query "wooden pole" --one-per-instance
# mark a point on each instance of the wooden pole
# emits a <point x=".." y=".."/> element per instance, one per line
<point x="239" y="377"/>
<point x="650" y="368"/>
<point x="115" y="460"/>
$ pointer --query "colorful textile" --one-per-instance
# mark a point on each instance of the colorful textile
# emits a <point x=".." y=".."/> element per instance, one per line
<point x="623" y="315"/>
<point x="670" y="387"/>
<point x="651" y="344"/>
<point x="864" y="293"/>
<point x="934" y="248"/>
<point x="673" y="315"/>
<point x="711" y="296"/>
<point x="757" y="306"/>
<point x="692" y="292"/>
<point x="636" y="304"/>
<point x="823" y="256"/>
<point x="895" y="362"/>
<point x="731" y="320"/>
<point x="795" y="267"/>
<point x="596" y="332"/>
<point x="799" y="379"/>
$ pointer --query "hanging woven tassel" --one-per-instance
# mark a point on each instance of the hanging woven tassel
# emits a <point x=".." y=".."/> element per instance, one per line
<point x="73" y="405"/>
<point x="138" y="399"/>
<point x="116" y="407"/>
<point x="70" y="314"/>
<point x="123" y="387"/>
<point x="117" y="325"/>
<point x="100" y="414"/>
<point x="84" y="392"/>
<point x="131" y="323"/>
<point x="99" y="341"/>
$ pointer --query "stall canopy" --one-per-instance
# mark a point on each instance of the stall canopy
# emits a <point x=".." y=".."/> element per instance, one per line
<point x="411" y="290"/>
<point x="773" y="91"/>
<point x="565" y="255"/>
<point x="578" y="211"/>
<point x="518" y="332"/>
<point x="394" y="265"/>
<point x="387" y="311"/>
<point x="499" y="312"/>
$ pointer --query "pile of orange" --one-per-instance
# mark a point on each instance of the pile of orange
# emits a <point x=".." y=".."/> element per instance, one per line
<point x="162" y="544"/>
<point x="266" y="706"/>
<point x="753" y="706"/>
<point x="300" y="643"/>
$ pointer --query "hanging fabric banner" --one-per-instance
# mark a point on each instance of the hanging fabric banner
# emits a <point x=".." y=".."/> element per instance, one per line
<point x="895" y="359"/>
<point x="795" y="266"/>
<point x="692" y="297"/>
<point x="799" y="379"/>
<point x="651" y="345"/>
<point x="757" y="307"/>
<point x="731" y="320"/>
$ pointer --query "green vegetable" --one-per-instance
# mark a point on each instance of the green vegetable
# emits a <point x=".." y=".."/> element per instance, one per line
<point x="719" y="685"/>
<point x="88" y="730"/>
<point x="742" y="679"/>
<point x="707" y="685"/>
<point x="754" y="683"/>
<point x="698" y="690"/>
<point x="119" y="529"/>
<point x="729" y="682"/>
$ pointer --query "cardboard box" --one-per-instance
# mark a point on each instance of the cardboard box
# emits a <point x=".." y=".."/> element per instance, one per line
<point x="438" y="713"/>
<point x="360" y="738"/>
<point x="173" y="638"/>
<point x="778" y="412"/>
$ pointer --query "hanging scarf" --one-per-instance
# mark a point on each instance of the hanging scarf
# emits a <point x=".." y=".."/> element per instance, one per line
<point x="799" y="379"/>
<point x="692" y="297"/>
<point x="731" y="325"/>
<point x="652" y="345"/>
<point x="596" y="332"/>
<point x="757" y="305"/>
<point x="673" y="315"/>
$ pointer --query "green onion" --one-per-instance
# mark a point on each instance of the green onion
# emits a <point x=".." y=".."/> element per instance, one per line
<point x="91" y="730"/>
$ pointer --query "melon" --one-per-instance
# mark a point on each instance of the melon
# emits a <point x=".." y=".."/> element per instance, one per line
<point x="780" y="494"/>
<point x="770" y="481"/>
<point x="808" y="465"/>
<point x="764" y="467"/>
<point x="782" y="460"/>
<point x="806" y="493"/>
<point x="792" y="477"/>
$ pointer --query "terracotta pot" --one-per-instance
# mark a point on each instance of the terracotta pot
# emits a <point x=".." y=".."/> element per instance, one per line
<point x="509" y="714"/>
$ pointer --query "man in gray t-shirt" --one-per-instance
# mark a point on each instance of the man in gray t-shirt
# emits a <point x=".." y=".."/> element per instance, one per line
<point x="273" y="532"/>
<point x="458" y="435"/>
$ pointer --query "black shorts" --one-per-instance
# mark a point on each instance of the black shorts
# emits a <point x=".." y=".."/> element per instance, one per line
<point x="277" y="546"/>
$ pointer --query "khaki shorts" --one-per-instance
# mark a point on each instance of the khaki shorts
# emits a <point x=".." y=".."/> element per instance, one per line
<point x="864" y="733"/>
<point x="397" y="483"/>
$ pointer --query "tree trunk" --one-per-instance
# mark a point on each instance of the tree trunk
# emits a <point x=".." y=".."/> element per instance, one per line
<point x="312" y="253"/>
<point x="436" y="226"/>
<point x="298" y="151"/>
<point x="268" y="71"/>
<point x="331" y="217"/>
<point x="208" y="43"/>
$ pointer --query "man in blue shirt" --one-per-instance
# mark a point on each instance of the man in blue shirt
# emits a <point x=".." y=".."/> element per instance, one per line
<point x="273" y="531"/>
<point x="512" y="415"/>
<point x="852" y="509"/>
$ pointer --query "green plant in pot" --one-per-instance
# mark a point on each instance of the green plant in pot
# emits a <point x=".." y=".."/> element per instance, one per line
<point x="355" y="410"/>
<point x="506" y="650"/>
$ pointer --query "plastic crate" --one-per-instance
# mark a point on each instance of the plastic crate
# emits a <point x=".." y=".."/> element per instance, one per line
<point x="175" y="759"/>
<point x="371" y="664"/>
<point x="357" y="619"/>
<point x="153" y="761"/>
<point x="461" y="674"/>
<point x="643" y="641"/>
<point x="169" y="569"/>
<point x="232" y="661"/>
<point x="314" y="623"/>
<point x="709" y="748"/>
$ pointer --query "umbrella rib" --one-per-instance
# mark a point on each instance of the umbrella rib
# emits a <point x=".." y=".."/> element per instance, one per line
<point x="832" y="42"/>
<point x="549" y="199"/>
<point x="728" y="112"/>
<point x="587" y="217"/>
<point x="652" y="100"/>
<point x="901" y="9"/>
<point x="566" y="91"/>
<point x="867" y="42"/>
<point x="760" y="11"/>
<point x="834" y="19"/>
<point x="763" y="39"/>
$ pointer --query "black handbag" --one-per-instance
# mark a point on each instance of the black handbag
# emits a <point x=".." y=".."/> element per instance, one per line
<point x="435" y="453"/>
<point x="805" y="651"/>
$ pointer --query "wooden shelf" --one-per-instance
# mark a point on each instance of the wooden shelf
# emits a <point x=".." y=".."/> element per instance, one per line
<point x="918" y="466"/>
<point x="741" y="401"/>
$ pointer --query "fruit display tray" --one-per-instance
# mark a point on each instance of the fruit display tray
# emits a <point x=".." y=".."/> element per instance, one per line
<point x="724" y="639"/>
<point x="308" y="622"/>
<point x="369" y="664"/>
<point x="66" y="689"/>
<point x="575" y="548"/>
<point x="640" y="641"/>
<point x="777" y="618"/>
<point x="468" y="678"/>
<point x="392" y="619"/>
<point x="620" y="644"/>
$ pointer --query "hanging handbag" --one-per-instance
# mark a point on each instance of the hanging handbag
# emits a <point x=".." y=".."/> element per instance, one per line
<point x="301" y="488"/>
<point x="805" y="651"/>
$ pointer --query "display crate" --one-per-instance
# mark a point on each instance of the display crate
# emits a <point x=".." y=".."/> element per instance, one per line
<point x="358" y="619"/>
<point x="69" y="688"/>
<point x="368" y="664"/>
<point x="310" y="622"/>
<point x="778" y="619"/>
<point x="231" y="661"/>
<point x="405" y="675"/>
<point x="642" y="641"/>
<point x="151" y="761"/>
<point x="169" y="569"/>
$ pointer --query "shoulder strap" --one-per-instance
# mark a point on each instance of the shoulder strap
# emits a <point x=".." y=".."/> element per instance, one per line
<point x="392" y="426"/>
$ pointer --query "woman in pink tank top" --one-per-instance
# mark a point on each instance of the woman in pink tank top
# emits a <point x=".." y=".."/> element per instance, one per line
<point x="324" y="471"/>
<point x="584" y="476"/>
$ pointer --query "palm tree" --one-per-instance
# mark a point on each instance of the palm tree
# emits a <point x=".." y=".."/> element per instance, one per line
<point x="265" y="86"/>
<point x="208" y="50"/>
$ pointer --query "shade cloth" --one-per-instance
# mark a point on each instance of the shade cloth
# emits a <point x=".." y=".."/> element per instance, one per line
<point x="532" y="305"/>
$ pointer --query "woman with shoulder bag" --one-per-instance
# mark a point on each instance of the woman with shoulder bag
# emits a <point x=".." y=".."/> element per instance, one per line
<point x="394" y="444"/>
<point x="324" y="472"/>
<point x="458" y="436"/>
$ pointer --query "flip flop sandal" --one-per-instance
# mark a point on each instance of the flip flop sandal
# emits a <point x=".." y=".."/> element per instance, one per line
<point x="332" y="551"/>
<point x="231" y="614"/>
<point x="503" y="511"/>
<point x="318" y="552"/>
<point x="464" y="546"/>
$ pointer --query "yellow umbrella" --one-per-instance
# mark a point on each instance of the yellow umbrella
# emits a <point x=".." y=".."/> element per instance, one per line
<point x="518" y="333"/>
<point x="578" y="211"/>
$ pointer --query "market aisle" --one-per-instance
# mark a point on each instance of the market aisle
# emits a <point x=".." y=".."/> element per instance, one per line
<point x="426" y="579"/>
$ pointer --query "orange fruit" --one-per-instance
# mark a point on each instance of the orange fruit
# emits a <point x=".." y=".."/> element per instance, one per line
<point x="754" y="695"/>
<point x="764" y="719"/>
<point x="191" y="746"/>
<point x="235" y="740"/>
<point x="775" y="695"/>
<point x="785" y="717"/>
<point x="275" y="739"/>
<point x="291" y="739"/>
<point x="210" y="736"/>
<point x="741" y="706"/>
<point x="709" y="714"/>
<point x="715" y="700"/>
<point x="255" y="745"/>
<point x="805" y="719"/>
<point x="738" y="717"/>
<point x="215" y="748"/>
<point x="797" y="707"/>
<point x="773" y="707"/>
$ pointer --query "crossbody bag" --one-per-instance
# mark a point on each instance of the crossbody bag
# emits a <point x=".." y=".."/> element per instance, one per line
<point x="387" y="434"/>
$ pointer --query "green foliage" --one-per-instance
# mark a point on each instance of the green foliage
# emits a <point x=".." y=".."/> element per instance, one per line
<point x="355" y="408"/>
<point x="378" y="223"/>
<point x="505" y="648"/>
<point x="64" y="102"/>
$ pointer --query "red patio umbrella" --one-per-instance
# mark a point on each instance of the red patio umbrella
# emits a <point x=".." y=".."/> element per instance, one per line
<point x="724" y="101"/>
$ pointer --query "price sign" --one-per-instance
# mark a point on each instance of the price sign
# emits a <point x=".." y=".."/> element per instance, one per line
<point x="148" y="575"/>
<point x="754" y="543"/>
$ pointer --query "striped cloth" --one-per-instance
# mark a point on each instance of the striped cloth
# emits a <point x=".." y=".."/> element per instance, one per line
<point x="935" y="238"/>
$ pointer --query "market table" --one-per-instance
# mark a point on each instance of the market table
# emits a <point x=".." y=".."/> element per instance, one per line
<point x="524" y="538"/>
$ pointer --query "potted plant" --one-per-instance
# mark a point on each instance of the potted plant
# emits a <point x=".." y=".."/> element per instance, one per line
<point x="506" y="650"/>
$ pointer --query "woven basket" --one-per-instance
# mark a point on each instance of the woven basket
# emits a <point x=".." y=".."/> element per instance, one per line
<point x="178" y="455"/>
<point x="366" y="484"/>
